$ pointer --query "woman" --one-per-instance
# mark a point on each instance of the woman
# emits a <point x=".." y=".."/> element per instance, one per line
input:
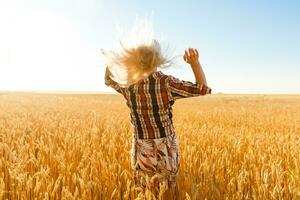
<point x="150" y="94"/>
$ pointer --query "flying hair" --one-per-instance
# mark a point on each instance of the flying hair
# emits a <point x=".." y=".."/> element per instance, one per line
<point x="139" y="55"/>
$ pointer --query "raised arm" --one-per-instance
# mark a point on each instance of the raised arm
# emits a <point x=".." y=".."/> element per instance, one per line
<point x="109" y="82"/>
<point x="191" y="56"/>
<point x="183" y="89"/>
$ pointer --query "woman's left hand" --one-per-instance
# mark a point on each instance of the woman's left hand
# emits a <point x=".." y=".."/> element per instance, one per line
<point x="107" y="72"/>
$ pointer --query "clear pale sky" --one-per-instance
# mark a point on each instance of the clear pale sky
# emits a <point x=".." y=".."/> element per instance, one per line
<point x="245" y="46"/>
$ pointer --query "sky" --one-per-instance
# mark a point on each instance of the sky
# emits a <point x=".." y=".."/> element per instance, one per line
<point x="244" y="46"/>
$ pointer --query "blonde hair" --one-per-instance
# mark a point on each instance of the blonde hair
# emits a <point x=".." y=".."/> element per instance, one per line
<point x="141" y="56"/>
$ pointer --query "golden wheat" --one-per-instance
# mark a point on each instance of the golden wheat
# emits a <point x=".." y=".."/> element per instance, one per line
<point x="63" y="146"/>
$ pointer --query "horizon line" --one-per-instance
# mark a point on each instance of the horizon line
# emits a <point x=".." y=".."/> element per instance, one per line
<point x="103" y="92"/>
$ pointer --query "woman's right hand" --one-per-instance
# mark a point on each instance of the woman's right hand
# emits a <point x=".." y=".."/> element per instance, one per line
<point x="191" y="56"/>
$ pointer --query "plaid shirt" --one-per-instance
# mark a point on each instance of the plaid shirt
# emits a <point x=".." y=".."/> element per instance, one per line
<point x="150" y="101"/>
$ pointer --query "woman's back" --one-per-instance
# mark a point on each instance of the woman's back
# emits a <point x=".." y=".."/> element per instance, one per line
<point x="150" y="105"/>
<point x="150" y="101"/>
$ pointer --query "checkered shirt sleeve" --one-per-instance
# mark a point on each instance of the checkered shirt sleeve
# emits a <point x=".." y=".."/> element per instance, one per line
<point x="183" y="89"/>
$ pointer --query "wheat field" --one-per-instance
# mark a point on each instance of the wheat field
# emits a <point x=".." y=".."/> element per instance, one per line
<point x="76" y="146"/>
